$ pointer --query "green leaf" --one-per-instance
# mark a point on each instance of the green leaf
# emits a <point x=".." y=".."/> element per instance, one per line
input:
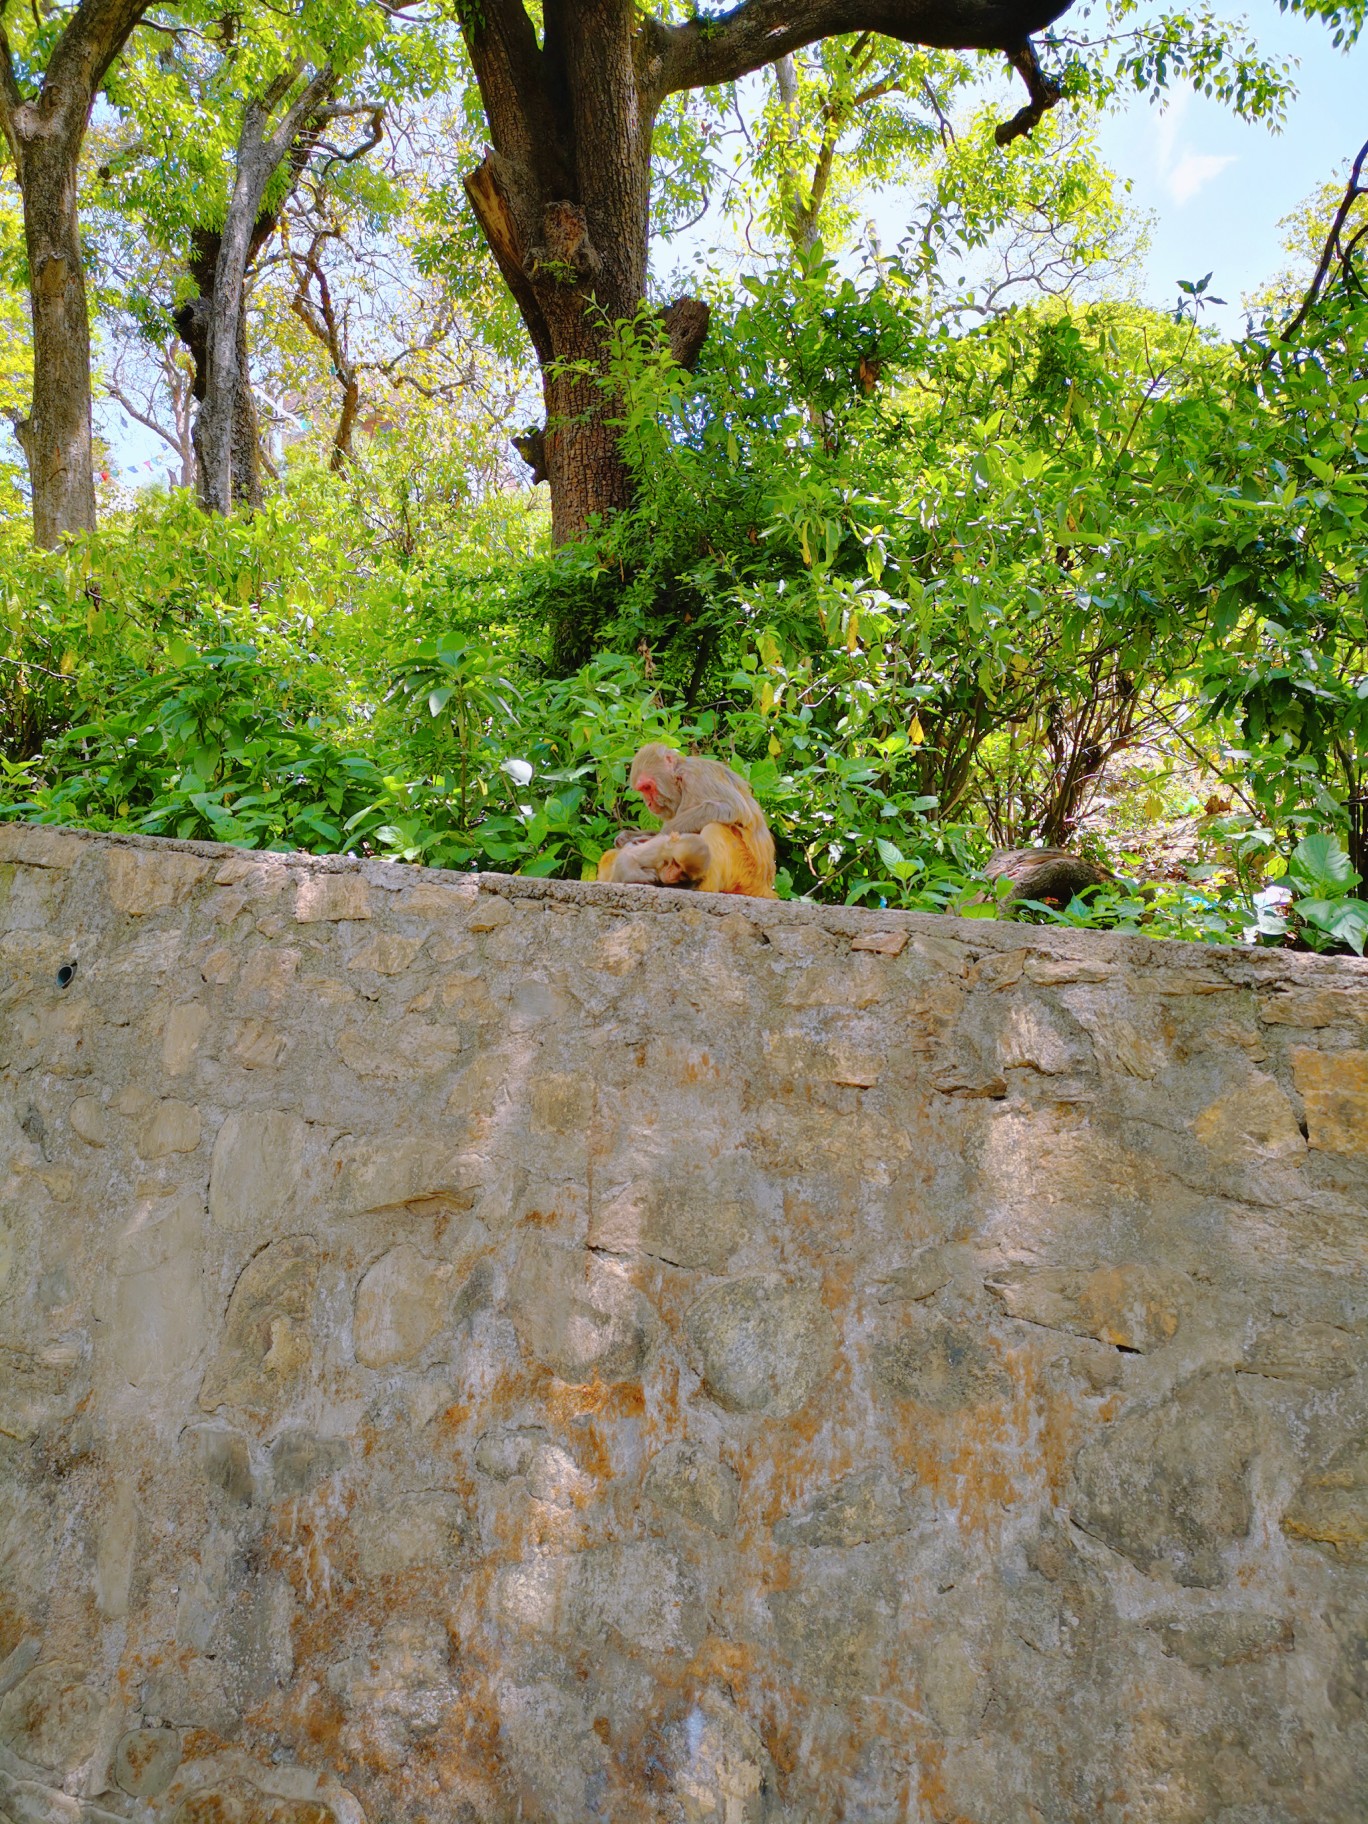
<point x="1320" y="861"/>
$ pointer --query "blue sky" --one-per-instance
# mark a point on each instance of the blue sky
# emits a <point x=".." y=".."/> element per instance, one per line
<point x="1218" y="188"/>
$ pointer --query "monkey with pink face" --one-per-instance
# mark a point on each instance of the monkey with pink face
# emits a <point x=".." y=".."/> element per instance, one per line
<point x="713" y="834"/>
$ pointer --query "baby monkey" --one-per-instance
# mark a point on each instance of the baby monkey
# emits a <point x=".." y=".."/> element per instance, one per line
<point x="713" y="835"/>
<point x="716" y="860"/>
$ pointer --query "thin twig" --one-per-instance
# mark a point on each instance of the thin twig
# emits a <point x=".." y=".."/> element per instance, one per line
<point x="62" y="677"/>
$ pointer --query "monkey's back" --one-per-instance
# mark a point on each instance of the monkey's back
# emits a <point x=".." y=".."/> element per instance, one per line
<point x="740" y="863"/>
<point x="748" y="826"/>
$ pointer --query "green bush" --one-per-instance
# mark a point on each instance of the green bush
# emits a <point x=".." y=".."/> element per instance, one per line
<point x="921" y="585"/>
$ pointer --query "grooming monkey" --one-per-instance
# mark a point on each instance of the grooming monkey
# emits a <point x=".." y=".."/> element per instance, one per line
<point x="718" y="859"/>
<point x="713" y="835"/>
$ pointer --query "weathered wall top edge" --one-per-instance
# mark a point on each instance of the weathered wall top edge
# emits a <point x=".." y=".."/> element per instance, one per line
<point x="49" y="845"/>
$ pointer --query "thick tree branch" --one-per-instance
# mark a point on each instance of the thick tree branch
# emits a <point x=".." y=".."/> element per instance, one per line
<point x="511" y="70"/>
<point x="311" y="98"/>
<point x="1043" y="93"/>
<point x="706" y="51"/>
<point x="94" y="36"/>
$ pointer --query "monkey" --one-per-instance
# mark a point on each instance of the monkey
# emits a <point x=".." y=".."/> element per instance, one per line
<point x="718" y="859"/>
<point x="631" y="864"/>
<point x="705" y="862"/>
<point x="688" y="795"/>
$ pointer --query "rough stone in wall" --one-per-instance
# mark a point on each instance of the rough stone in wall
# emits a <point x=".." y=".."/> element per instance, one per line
<point x="479" y="1351"/>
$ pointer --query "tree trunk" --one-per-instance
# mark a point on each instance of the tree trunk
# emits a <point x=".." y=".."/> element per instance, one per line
<point x="228" y="461"/>
<point x="583" y="458"/>
<point x="563" y="198"/>
<point x="244" y="436"/>
<point x="576" y="303"/>
<point x="45" y="133"/>
<point x="56" y="436"/>
<point x="214" y="326"/>
<point x="562" y="195"/>
<point x="193" y="321"/>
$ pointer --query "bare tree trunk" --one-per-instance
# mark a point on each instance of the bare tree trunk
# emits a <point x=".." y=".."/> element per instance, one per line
<point x="244" y="436"/>
<point x="229" y="470"/>
<point x="563" y="199"/>
<point x="45" y="133"/>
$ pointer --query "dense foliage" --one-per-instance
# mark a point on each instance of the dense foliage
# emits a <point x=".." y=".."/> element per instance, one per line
<point x="929" y="586"/>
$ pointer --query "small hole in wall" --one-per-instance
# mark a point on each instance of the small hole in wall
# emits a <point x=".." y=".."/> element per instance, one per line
<point x="66" y="975"/>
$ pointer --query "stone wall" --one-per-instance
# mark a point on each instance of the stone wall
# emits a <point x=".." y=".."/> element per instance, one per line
<point x="491" y="1351"/>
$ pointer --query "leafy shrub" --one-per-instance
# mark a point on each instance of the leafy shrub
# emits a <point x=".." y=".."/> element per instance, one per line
<point x="920" y="585"/>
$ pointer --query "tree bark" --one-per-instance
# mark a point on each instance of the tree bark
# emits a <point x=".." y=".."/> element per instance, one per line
<point x="45" y="133"/>
<point x="193" y="322"/>
<point x="563" y="198"/>
<point x="227" y="416"/>
<point x="562" y="195"/>
<point x="213" y="325"/>
<point x="227" y="450"/>
<point x="56" y="436"/>
<point x="726" y="47"/>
